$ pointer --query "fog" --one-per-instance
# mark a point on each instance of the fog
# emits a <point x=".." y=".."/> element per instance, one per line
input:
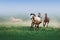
<point x="18" y="12"/>
<point x="54" y="22"/>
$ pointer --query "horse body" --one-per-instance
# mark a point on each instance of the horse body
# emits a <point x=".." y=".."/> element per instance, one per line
<point x="46" y="19"/>
<point x="38" y="19"/>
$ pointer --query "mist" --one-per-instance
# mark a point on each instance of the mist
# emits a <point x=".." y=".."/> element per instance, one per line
<point x="21" y="10"/>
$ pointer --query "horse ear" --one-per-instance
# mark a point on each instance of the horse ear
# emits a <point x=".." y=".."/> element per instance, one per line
<point x="31" y="14"/>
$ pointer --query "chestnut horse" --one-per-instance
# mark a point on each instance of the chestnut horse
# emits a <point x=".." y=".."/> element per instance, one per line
<point x="46" y="20"/>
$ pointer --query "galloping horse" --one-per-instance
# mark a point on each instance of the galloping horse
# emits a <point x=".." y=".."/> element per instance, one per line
<point x="35" y="21"/>
<point x="46" y="20"/>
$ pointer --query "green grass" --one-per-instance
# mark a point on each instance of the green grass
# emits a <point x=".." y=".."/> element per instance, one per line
<point x="24" y="33"/>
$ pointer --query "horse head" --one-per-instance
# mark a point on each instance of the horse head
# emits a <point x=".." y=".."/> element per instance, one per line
<point x="32" y="15"/>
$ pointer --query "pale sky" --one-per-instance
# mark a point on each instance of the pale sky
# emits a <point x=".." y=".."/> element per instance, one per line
<point x="19" y="7"/>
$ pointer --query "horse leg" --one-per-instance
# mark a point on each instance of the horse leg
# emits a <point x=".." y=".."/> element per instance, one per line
<point x="38" y="26"/>
<point x="35" y="27"/>
<point x="44" y="24"/>
<point x="32" y="24"/>
<point x="47" y="24"/>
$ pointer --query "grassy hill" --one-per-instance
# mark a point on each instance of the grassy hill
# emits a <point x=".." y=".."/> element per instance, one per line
<point x="24" y="33"/>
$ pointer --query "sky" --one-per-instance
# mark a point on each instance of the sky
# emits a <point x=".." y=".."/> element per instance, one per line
<point x="25" y="7"/>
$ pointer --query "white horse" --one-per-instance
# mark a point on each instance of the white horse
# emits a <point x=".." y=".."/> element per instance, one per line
<point x="35" y="21"/>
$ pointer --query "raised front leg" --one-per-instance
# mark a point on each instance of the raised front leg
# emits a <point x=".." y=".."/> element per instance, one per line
<point x="32" y="25"/>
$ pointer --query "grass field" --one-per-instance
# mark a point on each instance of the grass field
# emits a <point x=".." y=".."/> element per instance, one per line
<point x="24" y="33"/>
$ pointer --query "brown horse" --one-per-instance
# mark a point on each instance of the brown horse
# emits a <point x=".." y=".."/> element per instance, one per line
<point x="46" y="20"/>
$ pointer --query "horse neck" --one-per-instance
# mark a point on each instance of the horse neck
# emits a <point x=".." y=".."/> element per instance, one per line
<point x="33" y="17"/>
<point x="45" y="17"/>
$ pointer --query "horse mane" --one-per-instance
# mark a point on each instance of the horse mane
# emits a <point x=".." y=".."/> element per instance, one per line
<point x="32" y="14"/>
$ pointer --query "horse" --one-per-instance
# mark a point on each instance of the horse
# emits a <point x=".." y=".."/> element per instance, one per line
<point x="46" y="20"/>
<point x="35" y="21"/>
